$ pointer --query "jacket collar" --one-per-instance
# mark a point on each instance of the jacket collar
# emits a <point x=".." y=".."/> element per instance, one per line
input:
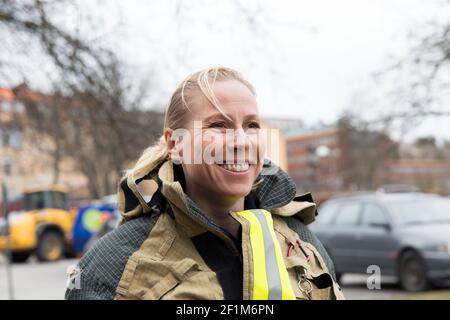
<point x="275" y="193"/>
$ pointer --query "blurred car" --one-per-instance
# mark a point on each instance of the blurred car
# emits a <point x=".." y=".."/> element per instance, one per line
<point x="42" y="226"/>
<point x="89" y="220"/>
<point x="406" y="234"/>
<point x="93" y="219"/>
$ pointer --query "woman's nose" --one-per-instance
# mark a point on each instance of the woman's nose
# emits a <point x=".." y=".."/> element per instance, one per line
<point x="241" y="140"/>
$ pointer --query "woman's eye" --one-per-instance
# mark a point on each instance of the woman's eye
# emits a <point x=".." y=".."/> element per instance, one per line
<point x="254" y="125"/>
<point x="218" y="125"/>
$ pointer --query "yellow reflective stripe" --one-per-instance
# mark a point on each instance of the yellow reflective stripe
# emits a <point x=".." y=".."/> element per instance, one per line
<point x="259" y="247"/>
<point x="260" y="286"/>
<point x="287" y="291"/>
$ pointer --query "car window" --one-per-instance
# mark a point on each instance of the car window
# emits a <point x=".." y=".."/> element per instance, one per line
<point x="58" y="200"/>
<point x="35" y="201"/>
<point x="327" y="212"/>
<point x="348" y="214"/>
<point x="421" y="209"/>
<point x="371" y="214"/>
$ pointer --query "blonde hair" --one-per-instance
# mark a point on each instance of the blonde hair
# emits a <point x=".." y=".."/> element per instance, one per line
<point x="177" y="111"/>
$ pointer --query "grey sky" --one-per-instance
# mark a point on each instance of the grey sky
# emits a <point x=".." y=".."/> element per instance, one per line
<point x="305" y="58"/>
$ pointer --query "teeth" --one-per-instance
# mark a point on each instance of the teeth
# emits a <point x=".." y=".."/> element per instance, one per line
<point x="235" y="167"/>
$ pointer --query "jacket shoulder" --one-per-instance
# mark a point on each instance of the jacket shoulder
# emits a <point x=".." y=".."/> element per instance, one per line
<point x="98" y="273"/>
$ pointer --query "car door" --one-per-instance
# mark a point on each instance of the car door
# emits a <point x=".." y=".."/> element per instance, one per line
<point x="342" y="240"/>
<point x="376" y="243"/>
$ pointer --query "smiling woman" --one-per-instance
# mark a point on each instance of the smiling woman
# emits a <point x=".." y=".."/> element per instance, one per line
<point x="224" y="222"/>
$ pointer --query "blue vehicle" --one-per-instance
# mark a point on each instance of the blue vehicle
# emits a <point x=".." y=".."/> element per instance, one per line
<point x="88" y="222"/>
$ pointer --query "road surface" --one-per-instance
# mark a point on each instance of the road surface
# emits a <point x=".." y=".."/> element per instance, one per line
<point x="42" y="281"/>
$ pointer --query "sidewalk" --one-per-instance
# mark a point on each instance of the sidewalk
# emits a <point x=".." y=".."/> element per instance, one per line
<point x="34" y="280"/>
<point x="43" y="281"/>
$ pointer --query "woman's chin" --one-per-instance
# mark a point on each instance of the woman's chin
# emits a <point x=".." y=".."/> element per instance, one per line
<point x="235" y="191"/>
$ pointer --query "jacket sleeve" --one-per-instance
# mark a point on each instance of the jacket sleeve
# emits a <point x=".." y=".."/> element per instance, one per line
<point x="84" y="285"/>
<point x="99" y="271"/>
<point x="92" y="278"/>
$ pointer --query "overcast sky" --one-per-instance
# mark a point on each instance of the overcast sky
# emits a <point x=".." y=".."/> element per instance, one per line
<point x="307" y="59"/>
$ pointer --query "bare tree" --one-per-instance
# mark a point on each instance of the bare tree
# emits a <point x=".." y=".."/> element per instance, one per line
<point x="365" y="153"/>
<point x="91" y="114"/>
<point x="424" y="89"/>
<point x="32" y="24"/>
<point x="95" y="128"/>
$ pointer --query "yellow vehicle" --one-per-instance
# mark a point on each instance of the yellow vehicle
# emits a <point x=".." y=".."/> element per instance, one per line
<point x="42" y="228"/>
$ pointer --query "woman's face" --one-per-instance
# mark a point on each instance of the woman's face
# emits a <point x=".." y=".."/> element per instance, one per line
<point x="226" y="152"/>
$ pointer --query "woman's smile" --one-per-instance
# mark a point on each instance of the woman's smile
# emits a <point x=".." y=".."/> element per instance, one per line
<point x="240" y="169"/>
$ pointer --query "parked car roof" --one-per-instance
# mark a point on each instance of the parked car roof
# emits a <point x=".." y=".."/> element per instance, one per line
<point x="383" y="196"/>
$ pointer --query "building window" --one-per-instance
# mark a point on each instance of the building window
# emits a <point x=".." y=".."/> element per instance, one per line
<point x="6" y="106"/>
<point x="11" y="139"/>
<point x="7" y="167"/>
<point x="15" y="139"/>
<point x="5" y="138"/>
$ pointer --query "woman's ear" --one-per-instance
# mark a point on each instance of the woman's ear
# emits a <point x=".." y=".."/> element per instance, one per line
<point x="172" y="146"/>
<point x="168" y="137"/>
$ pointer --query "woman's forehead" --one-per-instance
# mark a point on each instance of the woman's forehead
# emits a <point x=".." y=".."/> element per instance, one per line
<point x="231" y="91"/>
<point x="234" y="98"/>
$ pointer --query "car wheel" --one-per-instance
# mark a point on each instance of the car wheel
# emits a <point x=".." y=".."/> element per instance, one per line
<point x="412" y="272"/>
<point x="20" y="257"/>
<point x="50" y="246"/>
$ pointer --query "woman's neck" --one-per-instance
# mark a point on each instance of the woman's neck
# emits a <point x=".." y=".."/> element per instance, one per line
<point x="219" y="210"/>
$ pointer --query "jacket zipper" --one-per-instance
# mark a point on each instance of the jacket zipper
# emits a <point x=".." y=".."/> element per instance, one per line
<point x="230" y="243"/>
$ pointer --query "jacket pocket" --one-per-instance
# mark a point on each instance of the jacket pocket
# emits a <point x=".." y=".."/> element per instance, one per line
<point x="307" y="279"/>
<point x="295" y="268"/>
<point x="153" y="279"/>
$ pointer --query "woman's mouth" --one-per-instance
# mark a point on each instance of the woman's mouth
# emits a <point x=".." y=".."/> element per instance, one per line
<point x="243" y="167"/>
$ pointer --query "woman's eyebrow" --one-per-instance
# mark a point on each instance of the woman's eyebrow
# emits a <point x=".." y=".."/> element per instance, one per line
<point x="252" y="116"/>
<point x="216" y="116"/>
<point x="220" y="116"/>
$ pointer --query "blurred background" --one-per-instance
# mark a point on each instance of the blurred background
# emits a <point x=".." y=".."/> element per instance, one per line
<point x="360" y="91"/>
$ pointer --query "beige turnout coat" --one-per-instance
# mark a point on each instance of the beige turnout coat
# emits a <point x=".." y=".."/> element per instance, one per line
<point x="153" y="254"/>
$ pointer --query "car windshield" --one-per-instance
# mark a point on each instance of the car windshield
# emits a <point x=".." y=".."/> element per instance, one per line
<point x="421" y="210"/>
<point x="45" y="199"/>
